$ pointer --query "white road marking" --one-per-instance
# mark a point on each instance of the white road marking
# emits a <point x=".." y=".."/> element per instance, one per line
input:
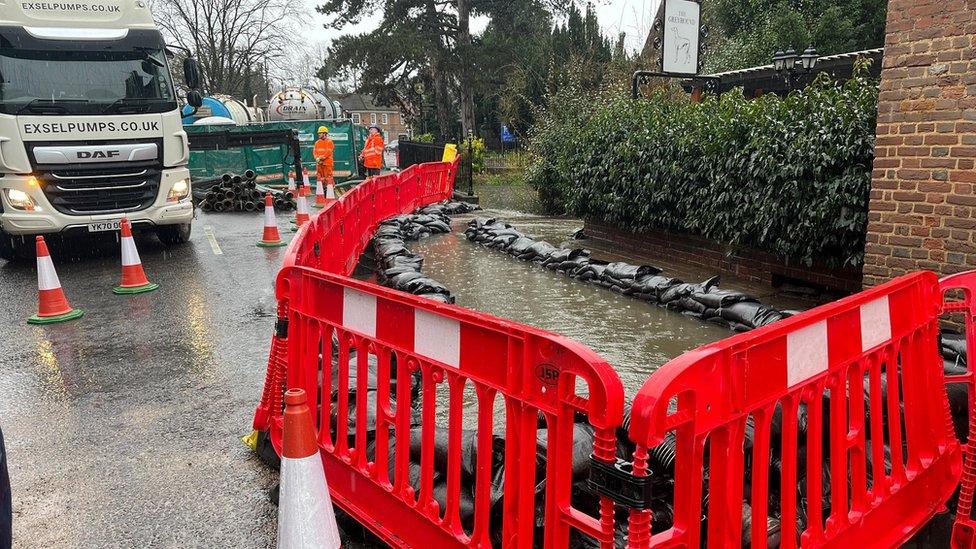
<point x="208" y="230"/>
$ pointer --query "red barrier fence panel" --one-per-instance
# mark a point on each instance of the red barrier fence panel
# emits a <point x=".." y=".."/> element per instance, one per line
<point x="388" y="367"/>
<point x="415" y="370"/>
<point x="959" y="296"/>
<point x="845" y="402"/>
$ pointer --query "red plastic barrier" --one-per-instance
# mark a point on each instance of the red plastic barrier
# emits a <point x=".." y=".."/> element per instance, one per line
<point x="959" y="295"/>
<point x="841" y="352"/>
<point x="866" y="364"/>
<point x="462" y="362"/>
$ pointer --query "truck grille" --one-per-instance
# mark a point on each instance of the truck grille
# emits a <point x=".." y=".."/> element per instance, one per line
<point x="98" y="191"/>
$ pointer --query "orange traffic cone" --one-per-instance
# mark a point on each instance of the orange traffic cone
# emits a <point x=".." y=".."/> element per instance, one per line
<point x="134" y="279"/>
<point x="291" y="182"/>
<point x="305" y="180"/>
<point x="271" y="237"/>
<point x="302" y="216"/>
<point x="52" y="305"/>
<point x="330" y="195"/>
<point x="306" y="518"/>
<point x="319" y="193"/>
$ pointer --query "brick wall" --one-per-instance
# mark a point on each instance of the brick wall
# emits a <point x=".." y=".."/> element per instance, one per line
<point x="745" y="263"/>
<point x="922" y="199"/>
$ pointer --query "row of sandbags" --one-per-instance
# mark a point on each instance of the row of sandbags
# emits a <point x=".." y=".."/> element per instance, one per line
<point x="401" y="269"/>
<point x="703" y="300"/>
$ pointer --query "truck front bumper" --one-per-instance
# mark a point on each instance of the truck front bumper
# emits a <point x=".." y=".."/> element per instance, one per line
<point x="46" y="220"/>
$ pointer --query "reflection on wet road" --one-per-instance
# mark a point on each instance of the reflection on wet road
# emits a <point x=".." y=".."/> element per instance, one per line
<point x="122" y="428"/>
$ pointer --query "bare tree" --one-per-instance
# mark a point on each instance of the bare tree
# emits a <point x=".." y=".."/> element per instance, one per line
<point x="233" y="40"/>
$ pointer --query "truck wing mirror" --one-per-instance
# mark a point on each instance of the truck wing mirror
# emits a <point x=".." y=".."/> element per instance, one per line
<point x="191" y="73"/>
<point x="194" y="99"/>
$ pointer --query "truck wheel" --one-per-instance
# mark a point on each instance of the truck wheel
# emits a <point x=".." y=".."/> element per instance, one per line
<point x="172" y="235"/>
<point x="14" y="248"/>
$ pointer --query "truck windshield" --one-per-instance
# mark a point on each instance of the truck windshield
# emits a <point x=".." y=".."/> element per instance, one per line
<point x="84" y="82"/>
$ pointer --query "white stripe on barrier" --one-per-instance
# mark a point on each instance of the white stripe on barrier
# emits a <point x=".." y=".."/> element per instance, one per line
<point x="130" y="256"/>
<point x="875" y="323"/>
<point x="359" y="311"/>
<point x="806" y="353"/>
<point x="437" y="337"/>
<point x="47" y="277"/>
<point x="306" y="518"/>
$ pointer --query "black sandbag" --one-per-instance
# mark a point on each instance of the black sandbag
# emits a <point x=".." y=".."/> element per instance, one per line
<point x="688" y="303"/>
<point x="423" y="219"/>
<point x="409" y="260"/>
<point x="716" y="298"/>
<point x="387" y="231"/>
<point x="675" y="292"/>
<point x="717" y="320"/>
<point x="542" y="249"/>
<point x="465" y="500"/>
<point x="438" y="227"/>
<point x="388" y="248"/>
<point x="573" y="264"/>
<point x="959" y="408"/>
<point x="744" y="312"/>
<point x="626" y="271"/>
<point x="424" y="285"/>
<point x="654" y="284"/>
<point x="768" y="316"/>
<point x="401" y="281"/>
<point x="443" y="298"/>
<point x="953" y="347"/>
<point x="582" y="449"/>
<point x="479" y="222"/>
<point x="565" y="254"/>
<point x="399" y="269"/>
<point x="520" y="245"/>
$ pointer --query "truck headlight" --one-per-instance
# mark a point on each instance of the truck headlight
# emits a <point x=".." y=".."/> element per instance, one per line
<point x="20" y="200"/>
<point x="179" y="190"/>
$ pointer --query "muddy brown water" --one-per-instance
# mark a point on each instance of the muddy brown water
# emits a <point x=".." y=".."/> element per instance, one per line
<point x="634" y="336"/>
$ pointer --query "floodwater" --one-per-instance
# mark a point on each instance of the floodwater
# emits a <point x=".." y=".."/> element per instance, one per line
<point x="634" y="336"/>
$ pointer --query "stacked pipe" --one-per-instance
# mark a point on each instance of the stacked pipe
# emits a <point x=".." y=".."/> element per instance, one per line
<point x="399" y="268"/>
<point x="703" y="300"/>
<point x="241" y="193"/>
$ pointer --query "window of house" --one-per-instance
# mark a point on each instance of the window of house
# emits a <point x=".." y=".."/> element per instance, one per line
<point x="356" y="118"/>
<point x="372" y="117"/>
<point x="386" y="118"/>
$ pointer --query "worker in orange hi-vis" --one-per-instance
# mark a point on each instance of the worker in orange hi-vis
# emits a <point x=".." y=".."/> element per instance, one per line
<point x="372" y="155"/>
<point x="324" y="153"/>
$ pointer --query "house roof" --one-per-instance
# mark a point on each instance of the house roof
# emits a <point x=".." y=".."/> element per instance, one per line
<point x="765" y="77"/>
<point x="354" y="102"/>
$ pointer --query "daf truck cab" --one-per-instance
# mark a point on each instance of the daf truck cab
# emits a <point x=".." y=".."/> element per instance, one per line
<point x="90" y="126"/>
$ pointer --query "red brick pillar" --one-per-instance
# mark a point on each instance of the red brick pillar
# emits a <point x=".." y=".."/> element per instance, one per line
<point x="922" y="201"/>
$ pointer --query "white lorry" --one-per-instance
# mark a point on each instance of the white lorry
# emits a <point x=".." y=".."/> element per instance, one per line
<point x="90" y="125"/>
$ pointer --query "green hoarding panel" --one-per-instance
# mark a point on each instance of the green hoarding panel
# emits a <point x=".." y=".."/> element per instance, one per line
<point x="270" y="163"/>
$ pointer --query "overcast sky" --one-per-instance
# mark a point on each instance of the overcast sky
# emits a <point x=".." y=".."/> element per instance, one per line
<point x="630" y="16"/>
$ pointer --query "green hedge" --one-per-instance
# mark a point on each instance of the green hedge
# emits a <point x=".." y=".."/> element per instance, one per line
<point x="787" y="175"/>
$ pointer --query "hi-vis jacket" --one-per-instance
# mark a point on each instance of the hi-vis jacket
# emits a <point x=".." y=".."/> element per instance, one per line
<point x="373" y="151"/>
<point x="324" y="153"/>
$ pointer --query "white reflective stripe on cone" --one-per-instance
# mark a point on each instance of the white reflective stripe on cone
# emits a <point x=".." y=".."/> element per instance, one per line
<point x="130" y="256"/>
<point x="302" y="206"/>
<point x="47" y="277"/>
<point x="306" y="519"/>
<point x="330" y="192"/>
<point x="269" y="217"/>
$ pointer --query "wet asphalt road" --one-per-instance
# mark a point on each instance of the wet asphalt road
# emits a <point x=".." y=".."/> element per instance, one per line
<point x="122" y="428"/>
